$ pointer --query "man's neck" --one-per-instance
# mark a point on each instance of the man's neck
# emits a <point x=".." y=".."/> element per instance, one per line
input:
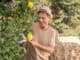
<point x="45" y="28"/>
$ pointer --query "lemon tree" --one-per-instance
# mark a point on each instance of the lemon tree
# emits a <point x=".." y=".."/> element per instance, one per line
<point x="15" y="18"/>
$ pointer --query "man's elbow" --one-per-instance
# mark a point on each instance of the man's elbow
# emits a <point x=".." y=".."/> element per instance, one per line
<point x="52" y="50"/>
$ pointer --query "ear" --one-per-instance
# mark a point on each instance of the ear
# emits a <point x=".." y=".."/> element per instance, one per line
<point x="51" y="16"/>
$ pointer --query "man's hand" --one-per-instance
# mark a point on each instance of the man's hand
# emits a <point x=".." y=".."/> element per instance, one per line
<point x="34" y="43"/>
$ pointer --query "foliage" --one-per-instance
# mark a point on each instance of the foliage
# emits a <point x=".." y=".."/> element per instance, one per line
<point x="10" y="50"/>
<point x="15" y="19"/>
<point x="66" y="11"/>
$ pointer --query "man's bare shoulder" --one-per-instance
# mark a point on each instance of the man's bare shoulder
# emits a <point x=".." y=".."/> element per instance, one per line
<point x="35" y="24"/>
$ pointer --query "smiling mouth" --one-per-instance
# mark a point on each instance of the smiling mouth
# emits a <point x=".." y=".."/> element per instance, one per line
<point x="42" y="25"/>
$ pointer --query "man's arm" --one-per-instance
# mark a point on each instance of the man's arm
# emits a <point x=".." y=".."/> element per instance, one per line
<point x="48" y="49"/>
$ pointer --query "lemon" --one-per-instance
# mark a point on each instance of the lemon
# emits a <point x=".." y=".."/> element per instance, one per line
<point x="30" y="5"/>
<point x="29" y="36"/>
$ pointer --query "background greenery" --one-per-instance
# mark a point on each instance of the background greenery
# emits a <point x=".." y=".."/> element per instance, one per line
<point x="16" y="18"/>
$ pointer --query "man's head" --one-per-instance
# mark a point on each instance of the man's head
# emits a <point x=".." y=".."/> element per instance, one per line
<point x="44" y="16"/>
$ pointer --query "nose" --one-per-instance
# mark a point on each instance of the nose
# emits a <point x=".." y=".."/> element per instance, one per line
<point x="40" y="20"/>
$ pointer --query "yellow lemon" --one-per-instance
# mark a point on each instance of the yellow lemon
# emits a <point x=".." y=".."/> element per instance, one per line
<point x="30" y="5"/>
<point x="29" y="36"/>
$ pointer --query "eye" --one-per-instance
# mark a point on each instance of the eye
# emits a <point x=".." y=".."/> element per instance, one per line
<point x="43" y="18"/>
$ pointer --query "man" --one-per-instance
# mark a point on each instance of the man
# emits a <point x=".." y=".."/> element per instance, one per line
<point x="44" y="36"/>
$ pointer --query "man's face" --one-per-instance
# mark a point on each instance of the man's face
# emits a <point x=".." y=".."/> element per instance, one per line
<point x="43" y="19"/>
